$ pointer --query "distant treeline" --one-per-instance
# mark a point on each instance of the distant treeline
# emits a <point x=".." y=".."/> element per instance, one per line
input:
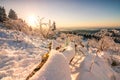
<point x="97" y="34"/>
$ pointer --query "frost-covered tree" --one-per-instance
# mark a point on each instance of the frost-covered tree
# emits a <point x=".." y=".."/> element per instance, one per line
<point x="3" y="15"/>
<point x="53" y="26"/>
<point x="12" y="15"/>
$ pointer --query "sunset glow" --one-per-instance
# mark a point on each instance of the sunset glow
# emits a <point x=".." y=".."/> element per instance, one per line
<point x="68" y="13"/>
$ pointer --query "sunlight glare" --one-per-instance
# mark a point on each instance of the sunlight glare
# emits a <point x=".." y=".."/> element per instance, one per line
<point x="32" y="20"/>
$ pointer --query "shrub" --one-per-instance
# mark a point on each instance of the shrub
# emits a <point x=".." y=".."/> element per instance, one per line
<point x="19" y="25"/>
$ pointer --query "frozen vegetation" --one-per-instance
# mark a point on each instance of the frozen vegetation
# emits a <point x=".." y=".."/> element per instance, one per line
<point x="19" y="54"/>
<point x="71" y="57"/>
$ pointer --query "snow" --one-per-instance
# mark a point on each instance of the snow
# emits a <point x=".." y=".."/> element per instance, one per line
<point x="99" y="70"/>
<point x="16" y="63"/>
<point x="21" y="53"/>
<point x="56" y="68"/>
<point x="69" y="53"/>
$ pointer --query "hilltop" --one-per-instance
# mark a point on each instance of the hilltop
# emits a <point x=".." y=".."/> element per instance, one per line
<point x="94" y="59"/>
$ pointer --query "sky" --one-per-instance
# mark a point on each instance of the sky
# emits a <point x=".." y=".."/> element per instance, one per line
<point x="69" y="13"/>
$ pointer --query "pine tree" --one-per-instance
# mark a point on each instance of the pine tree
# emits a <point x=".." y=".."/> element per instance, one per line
<point x="12" y="15"/>
<point x="3" y="16"/>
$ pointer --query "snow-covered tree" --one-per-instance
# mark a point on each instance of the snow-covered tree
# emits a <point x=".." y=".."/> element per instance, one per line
<point x="3" y="15"/>
<point x="12" y="15"/>
<point x="53" y="26"/>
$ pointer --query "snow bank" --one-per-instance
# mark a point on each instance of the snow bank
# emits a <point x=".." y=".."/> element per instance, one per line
<point x="69" y="53"/>
<point x="57" y="65"/>
<point x="56" y="68"/>
<point x="100" y="70"/>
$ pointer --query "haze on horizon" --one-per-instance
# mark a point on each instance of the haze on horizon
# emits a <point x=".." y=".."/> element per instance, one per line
<point x="69" y="13"/>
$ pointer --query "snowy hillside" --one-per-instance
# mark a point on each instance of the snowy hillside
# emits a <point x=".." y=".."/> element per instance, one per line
<point x="19" y="54"/>
<point x="73" y="59"/>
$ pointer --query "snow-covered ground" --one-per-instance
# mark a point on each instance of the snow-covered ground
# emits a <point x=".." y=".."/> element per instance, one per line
<point x="19" y="54"/>
<point x="92" y="60"/>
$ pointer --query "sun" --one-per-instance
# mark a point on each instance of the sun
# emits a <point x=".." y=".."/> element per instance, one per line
<point x="32" y="20"/>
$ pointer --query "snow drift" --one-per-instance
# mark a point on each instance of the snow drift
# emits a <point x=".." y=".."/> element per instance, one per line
<point x="56" y="68"/>
<point x="57" y="65"/>
<point x="99" y="70"/>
